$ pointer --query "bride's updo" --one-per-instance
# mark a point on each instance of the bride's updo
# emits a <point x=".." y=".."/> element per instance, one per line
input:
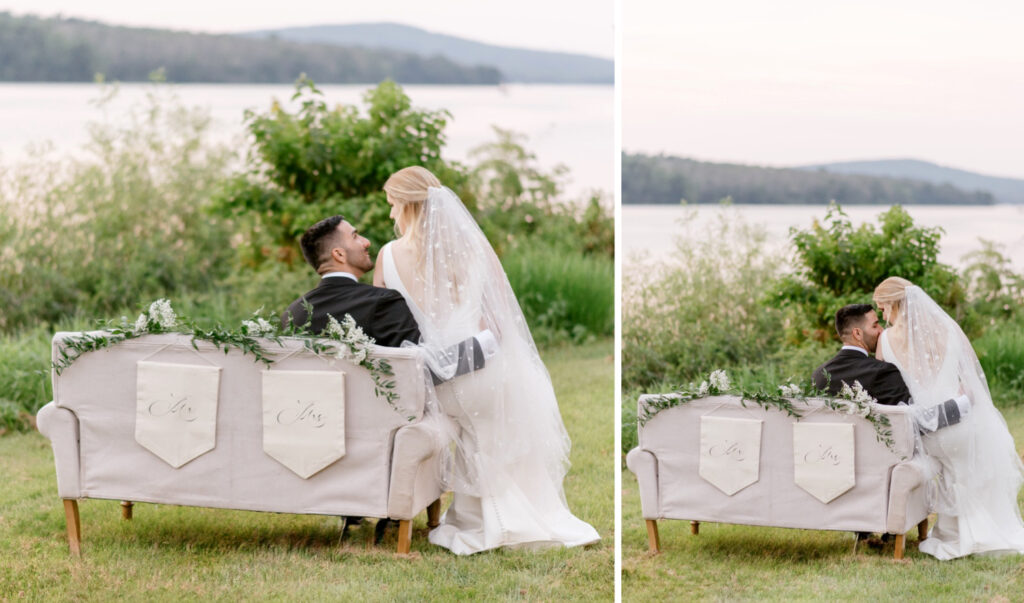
<point x="407" y="189"/>
<point x="892" y="292"/>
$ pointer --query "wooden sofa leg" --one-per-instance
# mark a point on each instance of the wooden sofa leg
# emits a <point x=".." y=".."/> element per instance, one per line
<point x="126" y="510"/>
<point x="74" y="523"/>
<point x="695" y="527"/>
<point x="404" y="536"/>
<point x="434" y="514"/>
<point x="922" y="529"/>
<point x="653" y="542"/>
<point x="901" y="541"/>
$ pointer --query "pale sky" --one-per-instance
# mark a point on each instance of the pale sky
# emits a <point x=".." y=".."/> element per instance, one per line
<point x="580" y="26"/>
<point x="807" y="81"/>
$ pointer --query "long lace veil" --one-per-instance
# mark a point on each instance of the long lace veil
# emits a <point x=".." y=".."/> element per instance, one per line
<point x="505" y="415"/>
<point x="937" y="362"/>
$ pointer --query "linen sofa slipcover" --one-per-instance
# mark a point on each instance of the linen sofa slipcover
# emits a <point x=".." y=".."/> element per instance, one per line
<point x="889" y="495"/>
<point x="390" y="468"/>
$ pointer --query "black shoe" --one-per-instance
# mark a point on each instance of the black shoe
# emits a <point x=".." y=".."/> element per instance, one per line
<point x="382" y="526"/>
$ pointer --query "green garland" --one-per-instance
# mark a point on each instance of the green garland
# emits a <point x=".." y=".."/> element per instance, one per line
<point x="851" y="400"/>
<point x="343" y="339"/>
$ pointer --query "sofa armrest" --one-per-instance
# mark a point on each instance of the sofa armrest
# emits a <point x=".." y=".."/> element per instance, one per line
<point x="645" y="466"/>
<point x="60" y="426"/>
<point x="908" y="494"/>
<point x="415" y="471"/>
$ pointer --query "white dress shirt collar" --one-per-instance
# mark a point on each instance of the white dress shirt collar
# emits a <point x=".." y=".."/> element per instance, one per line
<point x="858" y="348"/>
<point x="339" y="273"/>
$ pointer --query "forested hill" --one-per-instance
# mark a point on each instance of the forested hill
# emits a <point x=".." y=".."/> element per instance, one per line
<point x="1005" y="190"/>
<point x="34" y="49"/>
<point x="667" y="179"/>
<point x="515" y="64"/>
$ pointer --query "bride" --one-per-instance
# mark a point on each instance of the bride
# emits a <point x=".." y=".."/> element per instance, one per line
<point x="511" y="448"/>
<point x="975" y="494"/>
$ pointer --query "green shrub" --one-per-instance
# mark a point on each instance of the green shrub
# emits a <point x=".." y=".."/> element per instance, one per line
<point x="838" y="264"/>
<point x="1001" y="353"/>
<point x="121" y="225"/>
<point x="321" y="161"/>
<point x="702" y="311"/>
<point x="519" y="202"/>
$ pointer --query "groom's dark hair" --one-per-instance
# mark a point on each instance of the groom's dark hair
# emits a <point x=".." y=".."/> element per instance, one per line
<point x="848" y="317"/>
<point x="316" y="242"/>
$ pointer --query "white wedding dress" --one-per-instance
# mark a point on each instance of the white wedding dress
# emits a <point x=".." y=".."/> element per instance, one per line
<point x="511" y="448"/>
<point x="975" y="494"/>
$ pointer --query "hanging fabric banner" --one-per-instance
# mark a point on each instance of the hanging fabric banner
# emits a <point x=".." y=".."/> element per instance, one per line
<point x="730" y="452"/>
<point x="304" y="419"/>
<point x="823" y="459"/>
<point x="176" y="410"/>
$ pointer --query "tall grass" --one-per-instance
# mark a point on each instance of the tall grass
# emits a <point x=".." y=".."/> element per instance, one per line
<point x="700" y="309"/>
<point x="564" y="296"/>
<point x="1001" y="353"/>
<point x="122" y="223"/>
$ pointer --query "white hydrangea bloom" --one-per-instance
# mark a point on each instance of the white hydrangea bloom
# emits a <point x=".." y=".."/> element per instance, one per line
<point x="141" y="324"/>
<point x="703" y="389"/>
<point x="720" y="380"/>
<point x="161" y="312"/>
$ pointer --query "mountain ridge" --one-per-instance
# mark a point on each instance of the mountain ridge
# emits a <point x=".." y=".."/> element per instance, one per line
<point x="661" y="179"/>
<point x="1004" y="189"/>
<point x="515" y="64"/>
<point x="57" y="49"/>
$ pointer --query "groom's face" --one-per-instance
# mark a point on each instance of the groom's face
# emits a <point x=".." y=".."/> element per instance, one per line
<point x="356" y="248"/>
<point x="870" y="329"/>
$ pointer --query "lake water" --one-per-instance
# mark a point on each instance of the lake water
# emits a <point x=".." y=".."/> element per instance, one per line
<point x="571" y="125"/>
<point x="650" y="232"/>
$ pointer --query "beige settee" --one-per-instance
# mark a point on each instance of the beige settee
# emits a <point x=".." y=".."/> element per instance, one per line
<point x="888" y="495"/>
<point x="390" y="468"/>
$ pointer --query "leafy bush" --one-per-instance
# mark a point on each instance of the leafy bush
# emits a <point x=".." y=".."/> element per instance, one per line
<point x="519" y="202"/>
<point x="704" y="311"/>
<point x="837" y="264"/>
<point x="1001" y="353"/>
<point x="123" y="224"/>
<point x="995" y="291"/>
<point x="321" y="161"/>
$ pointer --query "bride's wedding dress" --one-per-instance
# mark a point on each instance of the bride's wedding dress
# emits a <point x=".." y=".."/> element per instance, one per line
<point x="511" y="447"/>
<point x="975" y="494"/>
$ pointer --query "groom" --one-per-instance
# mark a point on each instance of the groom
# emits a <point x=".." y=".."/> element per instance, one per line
<point x="859" y="330"/>
<point x="340" y="255"/>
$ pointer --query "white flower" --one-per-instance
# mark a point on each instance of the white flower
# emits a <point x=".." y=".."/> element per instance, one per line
<point x="334" y="330"/>
<point x="865" y="411"/>
<point x="141" y="324"/>
<point x="360" y="355"/>
<point x="260" y="326"/>
<point x="719" y="380"/>
<point x="851" y="408"/>
<point x="703" y="389"/>
<point x="790" y="390"/>
<point x="161" y="312"/>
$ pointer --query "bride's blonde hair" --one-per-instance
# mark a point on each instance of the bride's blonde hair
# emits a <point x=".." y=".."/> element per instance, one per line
<point x="892" y="291"/>
<point x="407" y="189"/>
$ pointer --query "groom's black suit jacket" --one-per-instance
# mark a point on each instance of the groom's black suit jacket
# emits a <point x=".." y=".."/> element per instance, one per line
<point x="382" y="313"/>
<point x="881" y="379"/>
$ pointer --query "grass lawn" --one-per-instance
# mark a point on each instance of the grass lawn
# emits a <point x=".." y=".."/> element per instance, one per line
<point x="731" y="562"/>
<point x="169" y="553"/>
